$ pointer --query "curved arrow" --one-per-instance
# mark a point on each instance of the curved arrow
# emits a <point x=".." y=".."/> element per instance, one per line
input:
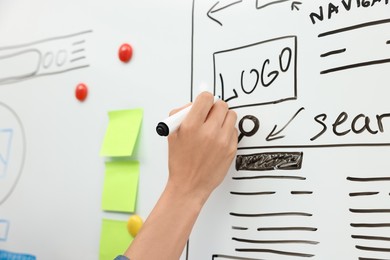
<point x="273" y="135"/>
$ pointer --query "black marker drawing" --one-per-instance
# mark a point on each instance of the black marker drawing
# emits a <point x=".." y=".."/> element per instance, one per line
<point x="253" y="193"/>
<point x="269" y="161"/>
<point x="377" y="249"/>
<point x="370" y="238"/>
<point x="37" y="59"/>
<point x="271" y="81"/>
<point x="274" y="214"/>
<point x="251" y="241"/>
<point x="368" y="179"/>
<point x="272" y="251"/>
<point x="301" y="192"/>
<point x="310" y="229"/>
<point x="334" y="52"/>
<point x="368" y="193"/>
<point x="358" y="64"/>
<point x="274" y="135"/>
<point x="233" y="257"/>
<point x="239" y="228"/>
<point x="243" y="132"/>
<point x="370" y="225"/>
<point x="369" y="210"/>
<point x="215" y="8"/>
<point x="262" y="5"/>
<point x="281" y="177"/>
<point x="388" y="42"/>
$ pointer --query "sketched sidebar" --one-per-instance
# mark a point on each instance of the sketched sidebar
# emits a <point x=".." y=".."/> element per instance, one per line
<point x="39" y="58"/>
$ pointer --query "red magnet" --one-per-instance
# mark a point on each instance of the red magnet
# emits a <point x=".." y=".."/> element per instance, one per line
<point x="81" y="92"/>
<point x="125" y="52"/>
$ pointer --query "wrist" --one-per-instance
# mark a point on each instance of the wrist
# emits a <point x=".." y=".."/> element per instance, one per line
<point x="183" y="195"/>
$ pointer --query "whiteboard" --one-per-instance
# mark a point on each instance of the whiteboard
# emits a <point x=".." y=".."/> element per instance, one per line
<point x="310" y="182"/>
<point x="308" y="80"/>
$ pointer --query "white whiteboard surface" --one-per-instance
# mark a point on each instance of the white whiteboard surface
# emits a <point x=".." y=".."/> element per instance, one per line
<point x="54" y="211"/>
<point x="298" y="190"/>
<point x="318" y="208"/>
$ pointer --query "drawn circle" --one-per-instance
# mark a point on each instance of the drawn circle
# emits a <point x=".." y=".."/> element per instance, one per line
<point x="12" y="151"/>
<point x="243" y="132"/>
<point x="61" y="58"/>
<point x="48" y="60"/>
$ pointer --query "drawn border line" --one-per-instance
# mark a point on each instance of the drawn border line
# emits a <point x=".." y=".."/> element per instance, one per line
<point x="356" y="65"/>
<point x="271" y="251"/>
<point x="353" y="27"/>
<point x="315" y="146"/>
<point x="45" y="40"/>
<point x="234" y="257"/>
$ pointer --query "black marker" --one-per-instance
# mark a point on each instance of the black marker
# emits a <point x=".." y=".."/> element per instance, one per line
<point x="172" y="123"/>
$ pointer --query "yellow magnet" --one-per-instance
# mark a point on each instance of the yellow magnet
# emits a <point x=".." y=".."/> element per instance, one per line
<point x="134" y="224"/>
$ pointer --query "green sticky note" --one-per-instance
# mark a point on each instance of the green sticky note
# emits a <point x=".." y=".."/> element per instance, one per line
<point x="120" y="186"/>
<point x="122" y="132"/>
<point x="114" y="239"/>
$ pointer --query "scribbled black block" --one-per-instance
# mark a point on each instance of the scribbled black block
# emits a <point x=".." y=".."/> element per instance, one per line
<point x="269" y="161"/>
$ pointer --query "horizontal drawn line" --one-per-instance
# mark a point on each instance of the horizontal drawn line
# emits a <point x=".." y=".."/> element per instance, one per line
<point x="370" y="237"/>
<point x="252" y="193"/>
<point x="288" y="229"/>
<point x="45" y="40"/>
<point x="271" y="251"/>
<point x="239" y="228"/>
<point x="78" y="42"/>
<point x="376" y="249"/>
<point x="333" y="53"/>
<point x="301" y="192"/>
<point x="356" y="65"/>
<point x="78" y="58"/>
<point x="353" y="27"/>
<point x="315" y="146"/>
<point x="275" y="241"/>
<point x="369" y="210"/>
<point x="370" y="225"/>
<point x="269" y="177"/>
<point x="264" y="103"/>
<point x="77" y="51"/>
<point x="370" y="193"/>
<point x="269" y="161"/>
<point x="365" y="258"/>
<point x="368" y="179"/>
<point x="278" y="214"/>
<point x="234" y="257"/>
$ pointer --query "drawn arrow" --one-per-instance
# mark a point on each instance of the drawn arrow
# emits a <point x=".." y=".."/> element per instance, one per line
<point x="295" y="5"/>
<point x="273" y="135"/>
<point x="214" y="9"/>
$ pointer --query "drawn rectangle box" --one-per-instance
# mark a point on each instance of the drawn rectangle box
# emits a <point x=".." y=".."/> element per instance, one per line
<point x="257" y="74"/>
<point x="4" y="227"/>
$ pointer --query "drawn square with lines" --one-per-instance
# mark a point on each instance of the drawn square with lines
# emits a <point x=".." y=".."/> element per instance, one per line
<point x="257" y="74"/>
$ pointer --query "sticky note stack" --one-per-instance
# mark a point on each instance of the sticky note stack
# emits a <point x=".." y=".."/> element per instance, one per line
<point x="120" y="179"/>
